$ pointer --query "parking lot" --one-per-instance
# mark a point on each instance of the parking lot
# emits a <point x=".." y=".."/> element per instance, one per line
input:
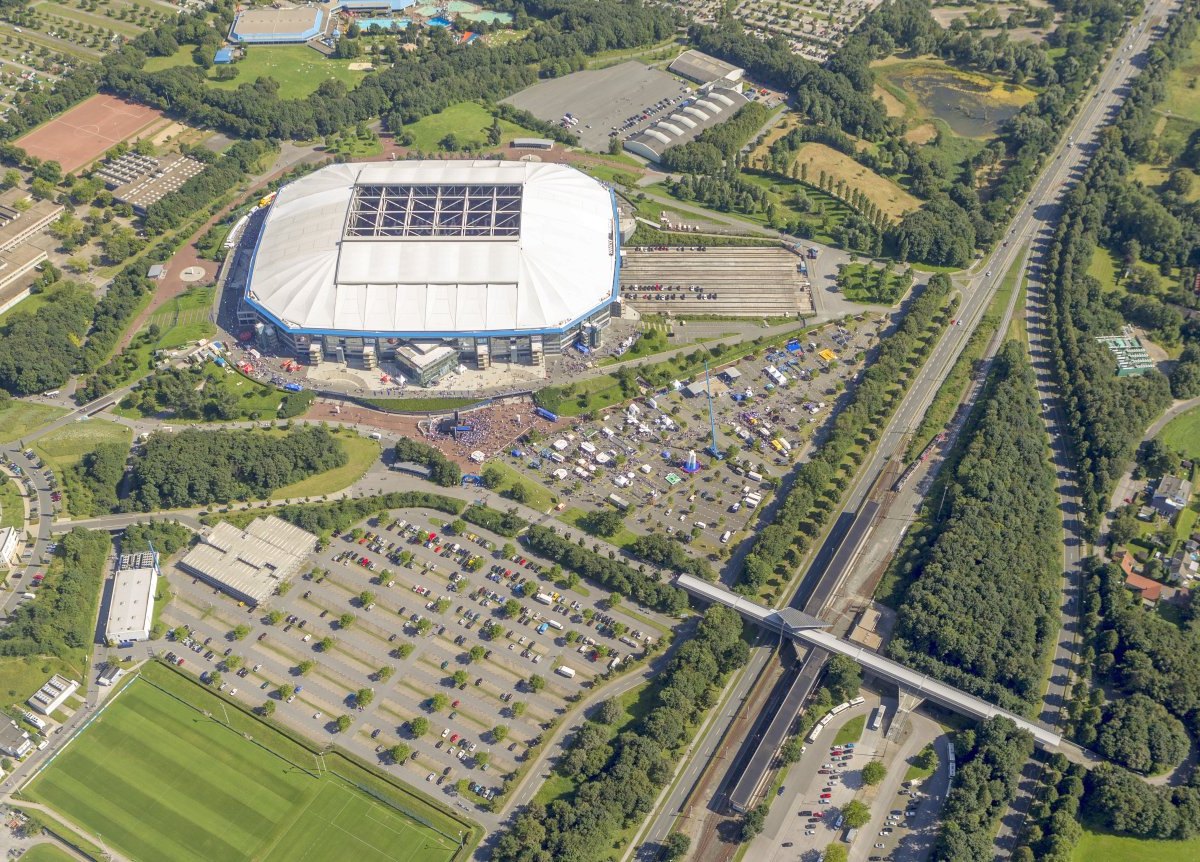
<point x="428" y="620"/>
<point x="638" y="452"/>
<point x="604" y="100"/>
<point x="752" y="282"/>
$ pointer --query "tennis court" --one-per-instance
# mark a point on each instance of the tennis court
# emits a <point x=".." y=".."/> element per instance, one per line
<point x="84" y="133"/>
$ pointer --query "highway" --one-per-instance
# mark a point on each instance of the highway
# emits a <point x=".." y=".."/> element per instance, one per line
<point x="1036" y="214"/>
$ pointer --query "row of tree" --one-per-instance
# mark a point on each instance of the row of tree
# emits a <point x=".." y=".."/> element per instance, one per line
<point x="1052" y="828"/>
<point x="617" y="781"/>
<point x="645" y="588"/>
<point x="323" y="519"/>
<point x="63" y="618"/>
<point x="990" y="760"/>
<point x="718" y="145"/>
<point x="669" y="554"/>
<point x="503" y="523"/>
<point x="818" y="484"/>
<point x="195" y="468"/>
<point x="442" y="471"/>
<point x="983" y="606"/>
<point x="1106" y="415"/>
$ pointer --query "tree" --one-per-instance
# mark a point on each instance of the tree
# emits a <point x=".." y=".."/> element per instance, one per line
<point x="180" y="632"/>
<point x="232" y="662"/>
<point x="267" y="709"/>
<point x="346" y="620"/>
<point x="481" y="758"/>
<point x="214" y="679"/>
<point x="927" y="759"/>
<point x="399" y="752"/>
<point x="537" y="683"/>
<point x="404" y="650"/>
<point x="873" y="772"/>
<point x="493" y="477"/>
<point x="366" y="597"/>
<point x="1141" y="735"/>
<point x="305" y="666"/>
<point x="274" y="618"/>
<point x="676" y="846"/>
<point x="343" y="723"/>
<point x="856" y="814"/>
<point x="517" y="708"/>
<point x="460" y="677"/>
<point x="384" y="673"/>
<point x="325" y="644"/>
<point x="836" y="852"/>
<point x="508" y="551"/>
<point x="286" y="690"/>
<point x="418" y="726"/>
<point x="240" y="632"/>
<point x="500" y="732"/>
<point x="438" y="702"/>
<point x="754" y="820"/>
<point x="476" y="653"/>
<point x="792" y="749"/>
<point x="606" y="522"/>
<point x="512" y="608"/>
<point x="458" y="526"/>
<point x="364" y="696"/>
<point x="610" y="711"/>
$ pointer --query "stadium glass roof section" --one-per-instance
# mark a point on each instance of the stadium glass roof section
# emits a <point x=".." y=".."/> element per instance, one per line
<point x="436" y="248"/>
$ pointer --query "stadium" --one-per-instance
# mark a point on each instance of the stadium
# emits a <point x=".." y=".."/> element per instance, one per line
<point x="433" y="264"/>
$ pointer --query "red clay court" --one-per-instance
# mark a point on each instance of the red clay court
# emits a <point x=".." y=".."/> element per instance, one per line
<point x="82" y="134"/>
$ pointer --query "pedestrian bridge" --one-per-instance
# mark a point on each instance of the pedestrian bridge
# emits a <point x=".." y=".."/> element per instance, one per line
<point x="916" y="685"/>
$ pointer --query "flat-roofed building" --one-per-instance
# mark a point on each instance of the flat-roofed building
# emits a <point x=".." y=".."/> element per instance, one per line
<point x="53" y="694"/>
<point x="704" y="68"/>
<point x="250" y="564"/>
<point x="142" y="181"/>
<point x="21" y="217"/>
<point x="267" y="25"/>
<point x="10" y="538"/>
<point x="14" y="742"/>
<point x="131" y="605"/>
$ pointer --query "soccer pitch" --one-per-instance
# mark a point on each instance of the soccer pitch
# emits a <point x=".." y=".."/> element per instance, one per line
<point x="157" y="779"/>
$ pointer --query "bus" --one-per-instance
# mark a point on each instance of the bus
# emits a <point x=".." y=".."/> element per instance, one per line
<point x="876" y="718"/>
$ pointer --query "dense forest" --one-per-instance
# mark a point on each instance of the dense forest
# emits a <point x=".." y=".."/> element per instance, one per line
<point x="62" y="620"/>
<point x="1052" y="829"/>
<point x="617" y="781"/>
<point x="195" y="468"/>
<point x="442" y="471"/>
<point x="819" y="482"/>
<point x="983" y="605"/>
<point x="989" y="766"/>
<point x="1106" y="415"/>
<point x="39" y="350"/>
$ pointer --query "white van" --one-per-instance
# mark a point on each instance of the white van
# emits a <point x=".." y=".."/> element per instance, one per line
<point x="563" y="670"/>
<point x="375" y="435"/>
<point x="725" y="537"/>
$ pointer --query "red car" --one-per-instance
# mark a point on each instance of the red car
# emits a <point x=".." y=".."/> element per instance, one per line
<point x="824" y="771"/>
<point x="826" y="795"/>
<point x="455" y="704"/>
<point x="818" y="814"/>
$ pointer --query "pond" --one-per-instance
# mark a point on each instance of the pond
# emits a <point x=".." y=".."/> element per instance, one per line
<point x="973" y="108"/>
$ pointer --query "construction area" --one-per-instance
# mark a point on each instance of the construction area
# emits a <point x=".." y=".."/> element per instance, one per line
<point x="743" y="282"/>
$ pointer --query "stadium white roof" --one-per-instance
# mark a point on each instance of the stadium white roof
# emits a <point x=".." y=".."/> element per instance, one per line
<point x="436" y="247"/>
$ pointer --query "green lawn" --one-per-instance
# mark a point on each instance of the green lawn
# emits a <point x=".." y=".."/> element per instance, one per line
<point x="467" y="121"/>
<point x="298" y="69"/>
<point x="362" y="452"/>
<point x="622" y="539"/>
<point x="1183" y="433"/>
<point x="1101" y="847"/>
<point x="538" y="496"/>
<point x="183" y="786"/>
<point x="46" y="853"/>
<point x="64" y="448"/>
<point x="12" y="507"/>
<point x="21" y="677"/>
<point x="419" y="405"/>
<point x="851" y="731"/>
<point x="1104" y="267"/>
<point x="19" y="417"/>
<point x="917" y="773"/>
<point x="864" y="282"/>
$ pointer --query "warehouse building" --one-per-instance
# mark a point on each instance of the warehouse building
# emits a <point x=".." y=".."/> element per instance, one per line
<point x="691" y="118"/>
<point x="435" y="263"/>
<point x="131" y="603"/>
<point x="250" y="564"/>
<point x="705" y="69"/>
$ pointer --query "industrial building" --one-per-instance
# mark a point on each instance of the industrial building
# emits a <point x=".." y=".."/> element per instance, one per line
<point x="131" y="604"/>
<point x="274" y="25"/>
<point x="1132" y="358"/>
<point x="14" y="742"/>
<point x="141" y="181"/>
<point x="53" y="694"/>
<point x="705" y="69"/>
<point x="434" y="263"/>
<point x="692" y="117"/>
<point x="250" y="564"/>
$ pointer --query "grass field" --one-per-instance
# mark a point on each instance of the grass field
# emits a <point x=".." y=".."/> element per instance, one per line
<point x="622" y="538"/>
<point x="1183" y="433"/>
<point x="864" y="282"/>
<point x="183" y="786"/>
<point x="1183" y="87"/>
<point x="46" y="853"/>
<point x="298" y="69"/>
<point x="851" y="731"/>
<point x="362" y="452"/>
<point x="1101" y="847"/>
<point x="12" y="508"/>
<point x="19" y="417"/>
<point x="418" y="405"/>
<point x="884" y="193"/>
<point x="538" y="496"/>
<point x="467" y="121"/>
<point x="66" y="446"/>
<point x="1104" y="267"/>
